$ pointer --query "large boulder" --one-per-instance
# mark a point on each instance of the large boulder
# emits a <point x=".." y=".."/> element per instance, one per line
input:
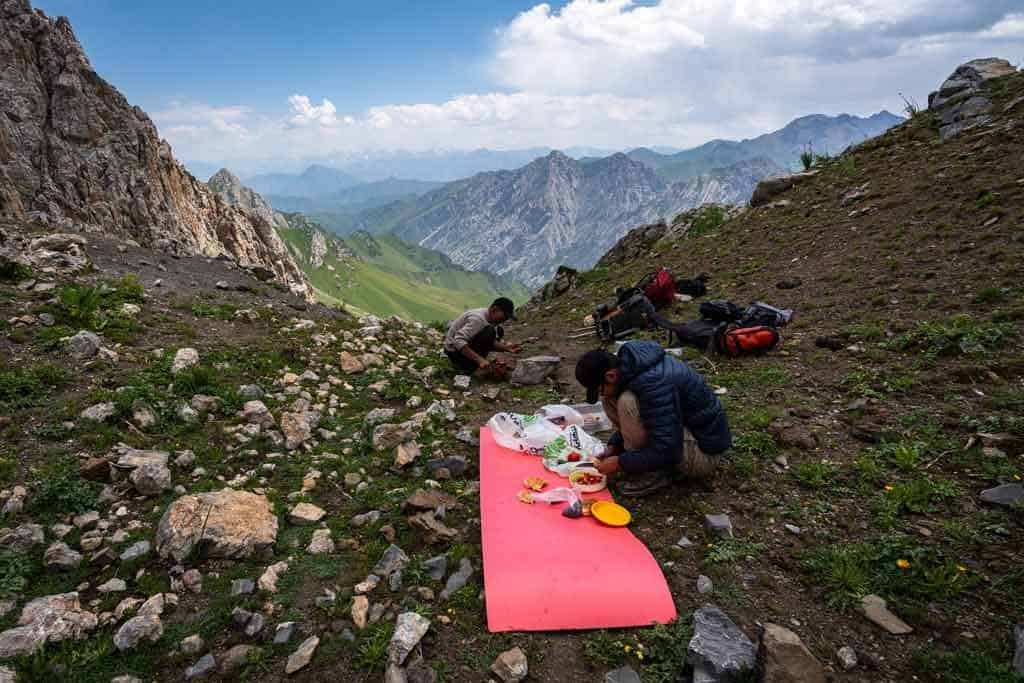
<point x="48" y="619"/>
<point x="961" y="102"/>
<point x="534" y="370"/>
<point x="226" y="523"/>
<point x="769" y="188"/>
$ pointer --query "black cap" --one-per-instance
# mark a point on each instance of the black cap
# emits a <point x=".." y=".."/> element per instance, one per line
<point x="506" y="306"/>
<point x="590" y="371"/>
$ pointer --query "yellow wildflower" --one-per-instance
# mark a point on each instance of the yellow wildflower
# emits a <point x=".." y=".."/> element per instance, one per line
<point x="640" y="655"/>
<point x="888" y="487"/>
<point x="903" y="564"/>
<point x="960" y="568"/>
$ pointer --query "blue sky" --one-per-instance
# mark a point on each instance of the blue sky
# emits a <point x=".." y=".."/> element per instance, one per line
<point x="258" y="84"/>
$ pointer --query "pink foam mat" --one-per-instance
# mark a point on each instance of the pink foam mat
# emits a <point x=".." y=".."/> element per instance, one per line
<point x="547" y="572"/>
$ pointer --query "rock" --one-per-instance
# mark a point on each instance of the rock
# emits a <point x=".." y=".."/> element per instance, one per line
<point x="227" y="523"/>
<point x="1018" y="656"/>
<point x="1006" y="495"/>
<point x="202" y="668"/>
<point x="202" y="403"/>
<point x="436" y="567"/>
<point x="434" y="530"/>
<point x="511" y="666"/>
<point x="429" y="500"/>
<point x="83" y="345"/>
<point x="114" y="585"/>
<point x="256" y="412"/>
<point x="704" y="585"/>
<point x="534" y="370"/>
<point x="785" y="659"/>
<point x="49" y="619"/>
<point x="321" y="543"/>
<point x="306" y="514"/>
<point x="137" y="629"/>
<point x="298" y="427"/>
<point x="719" y="525"/>
<point x="458" y="579"/>
<point x="142" y="414"/>
<point x="387" y="436"/>
<point x="251" y="392"/>
<point x="467" y="437"/>
<point x="367" y="585"/>
<point x="847" y="658"/>
<point x="101" y="412"/>
<point x="685" y="542"/>
<point x="959" y="102"/>
<point x="393" y="560"/>
<point x="95" y="469"/>
<point x="350" y="364"/>
<point x="770" y="188"/>
<point x="379" y="416"/>
<point x="719" y="650"/>
<point x="268" y="580"/>
<point x="151" y="479"/>
<point x="625" y="674"/>
<point x="360" y="610"/>
<point x="791" y="283"/>
<point x="61" y="556"/>
<point x="283" y="632"/>
<point x="302" y="656"/>
<point x="875" y="609"/>
<point x="792" y="435"/>
<point x="236" y="657"/>
<point x="184" y="359"/>
<point x="192" y="645"/>
<point x="86" y="520"/>
<point x="406" y="454"/>
<point x="461" y="381"/>
<point x="409" y="630"/>
<point x="135" y="551"/>
<point x="371" y="517"/>
<point x="255" y="624"/>
<point x="243" y="587"/>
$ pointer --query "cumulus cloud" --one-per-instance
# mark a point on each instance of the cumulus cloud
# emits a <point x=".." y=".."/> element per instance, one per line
<point x="621" y="73"/>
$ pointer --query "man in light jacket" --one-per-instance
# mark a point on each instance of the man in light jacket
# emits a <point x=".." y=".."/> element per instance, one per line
<point x="474" y="334"/>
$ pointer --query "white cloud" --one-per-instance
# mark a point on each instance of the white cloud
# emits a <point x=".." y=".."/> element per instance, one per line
<point x="620" y="73"/>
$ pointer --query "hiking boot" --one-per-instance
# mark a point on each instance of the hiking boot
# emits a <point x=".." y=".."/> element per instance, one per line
<point x="641" y="485"/>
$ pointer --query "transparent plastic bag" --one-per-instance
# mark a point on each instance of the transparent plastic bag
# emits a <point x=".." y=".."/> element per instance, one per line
<point x="561" y="415"/>
<point x="562" y="494"/>
<point x="526" y="433"/>
<point x="571" y="447"/>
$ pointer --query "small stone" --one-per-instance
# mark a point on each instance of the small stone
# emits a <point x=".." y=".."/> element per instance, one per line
<point x="192" y="645"/>
<point x="436" y="567"/>
<point x="785" y="659"/>
<point x="1007" y="495"/>
<point x="458" y="579"/>
<point x="406" y="454"/>
<point x="305" y="514"/>
<point x="875" y="609"/>
<point x="371" y="517"/>
<point x="255" y="624"/>
<point x="719" y="525"/>
<point x="269" y="578"/>
<point x="142" y="415"/>
<point x="793" y="529"/>
<point x="137" y="629"/>
<point x="847" y="658"/>
<point x="625" y="674"/>
<point x="685" y="542"/>
<point x="151" y="478"/>
<point x="409" y="630"/>
<point x="718" y="650"/>
<point x="114" y="585"/>
<point x="202" y="668"/>
<point x="101" y="412"/>
<point x="534" y="370"/>
<point x="236" y="657"/>
<point x="511" y="666"/>
<point x="321" y="543"/>
<point x="135" y="551"/>
<point x="360" y="610"/>
<point x="367" y="585"/>
<point x="461" y="381"/>
<point x="704" y="585"/>
<point x="243" y="587"/>
<point x="394" y="559"/>
<point x="302" y="656"/>
<point x="61" y="556"/>
<point x="283" y="632"/>
<point x="95" y="469"/>
<point x="83" y="345"/>
<point x="1018" y="656"/>
<point x="184" y="359"/>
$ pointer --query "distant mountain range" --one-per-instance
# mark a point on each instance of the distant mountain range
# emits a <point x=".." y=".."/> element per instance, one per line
<point x="371" y="274"/>
<point x="524" y="223"/>
<point x="315" y="180"/>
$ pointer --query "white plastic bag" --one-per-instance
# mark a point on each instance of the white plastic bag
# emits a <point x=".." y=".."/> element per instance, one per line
<point x="561" y="415"/>
<point x="571" y="447"/>
<point x="525" y="433"/>
<point x="574" y="509"/>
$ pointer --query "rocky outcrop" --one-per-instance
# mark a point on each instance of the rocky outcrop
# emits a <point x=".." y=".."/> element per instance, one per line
<point x="770" y="188"/>
<point x="74" y="154"/>
<point x="960" y="102"/>
<point x="225" y="523"/>
<point x="230" y="188"/>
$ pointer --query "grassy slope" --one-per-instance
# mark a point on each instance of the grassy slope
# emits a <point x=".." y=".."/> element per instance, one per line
<point x="391" y="277"/>
<point x="928" y="281"/>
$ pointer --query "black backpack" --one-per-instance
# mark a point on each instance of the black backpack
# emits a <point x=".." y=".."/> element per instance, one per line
<point x="720" y="311"/>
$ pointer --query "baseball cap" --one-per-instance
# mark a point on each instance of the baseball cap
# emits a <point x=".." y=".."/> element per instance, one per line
<point x="590" y="371"/>
<point x="506" y="306"/>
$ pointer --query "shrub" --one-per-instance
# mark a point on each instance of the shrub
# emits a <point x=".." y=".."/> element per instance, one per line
<point x="61" y="490"/>
<point x="25" y="386"/>
<point x="815" y="475"/>
<point x="807" y="157"/>
<point x="79" y="305"/>
<point x="732" y="549"/>
<point x="961" y="335"/>
<point x="15" y="570"/>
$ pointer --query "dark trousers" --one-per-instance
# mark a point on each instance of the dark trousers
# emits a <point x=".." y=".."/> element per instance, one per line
<point x="482" y="343"/>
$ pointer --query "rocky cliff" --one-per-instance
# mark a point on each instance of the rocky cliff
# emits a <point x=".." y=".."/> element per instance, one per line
<point x="230" y="188"/>
<point x="556" y="210"/>
<point x="74" y="154"/>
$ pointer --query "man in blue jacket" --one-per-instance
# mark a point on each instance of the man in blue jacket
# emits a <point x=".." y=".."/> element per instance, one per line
<point x="666" y="417"/>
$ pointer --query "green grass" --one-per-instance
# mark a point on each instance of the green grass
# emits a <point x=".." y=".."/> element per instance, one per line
<point x="815" y="475"/>
<point x="26" y="386"/>
<point x="61" y="491"/>
<point x="654" y="651"/>
<point x="732" y="549"/>
<point x="961" y="335"/>
<point x="982" y="663"/>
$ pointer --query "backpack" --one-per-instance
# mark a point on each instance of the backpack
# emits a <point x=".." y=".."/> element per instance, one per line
<point x="630" y="315"/>
<point x="695" y="287"/>
<point x="659" y="287"/>
<point x="759" y="313"/>
<point x="748" y="341"/>
<point x="720" y="311"/>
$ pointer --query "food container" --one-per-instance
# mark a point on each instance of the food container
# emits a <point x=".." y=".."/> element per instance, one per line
<point x="594" y="418"/>
<point x="586" y="479"/>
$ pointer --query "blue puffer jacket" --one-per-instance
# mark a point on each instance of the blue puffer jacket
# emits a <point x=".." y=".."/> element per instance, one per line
<point x="671" y="395"/>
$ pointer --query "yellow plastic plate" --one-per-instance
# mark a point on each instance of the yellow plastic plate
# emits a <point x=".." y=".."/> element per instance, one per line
<point x="610" y="513"/>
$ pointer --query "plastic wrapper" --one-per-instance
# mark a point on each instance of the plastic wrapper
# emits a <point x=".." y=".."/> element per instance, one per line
<point x="562" y="415"/>
<point x="526" y="433"/>
<point x="571" y="447"/>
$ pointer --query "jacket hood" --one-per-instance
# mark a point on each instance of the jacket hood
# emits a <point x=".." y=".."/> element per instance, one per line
<point x="636" y="357"/>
